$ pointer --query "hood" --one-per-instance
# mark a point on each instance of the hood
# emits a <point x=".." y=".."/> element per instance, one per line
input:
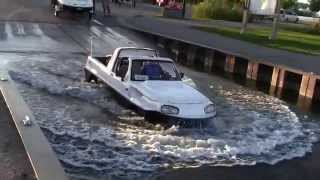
<point x="172" y="92"/>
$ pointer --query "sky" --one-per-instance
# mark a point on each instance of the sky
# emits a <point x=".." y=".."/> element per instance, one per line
<point x="303" y="1"/>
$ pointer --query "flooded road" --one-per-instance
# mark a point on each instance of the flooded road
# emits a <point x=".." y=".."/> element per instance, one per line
<point x="97" y="136"/>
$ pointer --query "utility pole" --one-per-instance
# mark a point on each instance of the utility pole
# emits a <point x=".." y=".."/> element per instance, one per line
<point x="245" y="16"/>
<point x="275" y="21"/>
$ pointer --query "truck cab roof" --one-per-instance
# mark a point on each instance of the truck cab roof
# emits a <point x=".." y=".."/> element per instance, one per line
<point x="141" y="58"/>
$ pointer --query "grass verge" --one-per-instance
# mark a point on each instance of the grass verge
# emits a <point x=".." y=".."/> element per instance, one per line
<point x="288" y="39"/>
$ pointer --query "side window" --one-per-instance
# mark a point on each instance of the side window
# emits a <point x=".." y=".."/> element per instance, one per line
<point x="122" y="67"/>
<point x="115" y="66"/>
<point x="107" y="60"/>
<point x="104" y="60"/>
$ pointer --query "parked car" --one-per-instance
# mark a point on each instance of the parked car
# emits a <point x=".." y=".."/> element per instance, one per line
<point x="151" y="83"/>
<point x="73" y="6"/>
<point x="288" y="16"/>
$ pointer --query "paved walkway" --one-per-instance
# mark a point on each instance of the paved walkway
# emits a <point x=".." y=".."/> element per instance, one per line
<point x="14" y="163"/>
<point x="139" y="20"/>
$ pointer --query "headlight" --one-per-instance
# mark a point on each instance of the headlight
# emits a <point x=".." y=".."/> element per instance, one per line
<point x="166" y="109"/>
<point x="209" y="109"/>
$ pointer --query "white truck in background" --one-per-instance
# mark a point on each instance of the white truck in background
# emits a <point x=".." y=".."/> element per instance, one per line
<point x="73" y="6"/>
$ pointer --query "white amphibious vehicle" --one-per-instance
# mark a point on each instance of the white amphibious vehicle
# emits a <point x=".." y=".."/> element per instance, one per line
<point x="73" y="5"/>
<point x="150" y="82"/>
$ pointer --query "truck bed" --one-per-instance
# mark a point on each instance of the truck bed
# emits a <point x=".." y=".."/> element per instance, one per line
<point x="104" y="60"/>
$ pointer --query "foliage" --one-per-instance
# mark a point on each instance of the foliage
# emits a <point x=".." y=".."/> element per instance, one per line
<point x="289" y="4"/>
<point x="303" y="5"/>
<point x="219" y="9"/>
<point x="305" y="13"/>
<point x="314" y="5"/>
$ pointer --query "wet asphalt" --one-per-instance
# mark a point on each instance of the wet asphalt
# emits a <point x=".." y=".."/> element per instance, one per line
<point x="30" y="33"/>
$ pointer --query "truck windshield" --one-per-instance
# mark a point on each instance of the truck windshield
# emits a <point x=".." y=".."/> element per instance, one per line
<point x="143" y="70"/>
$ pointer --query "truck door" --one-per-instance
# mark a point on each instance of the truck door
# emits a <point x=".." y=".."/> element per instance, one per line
<point x="118" y="74"/>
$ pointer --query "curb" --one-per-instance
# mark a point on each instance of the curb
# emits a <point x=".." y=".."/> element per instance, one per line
<point x="43" y="159"/>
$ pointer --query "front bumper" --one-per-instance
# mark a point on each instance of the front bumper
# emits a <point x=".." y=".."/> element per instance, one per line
<point x="63" y="7"/>
<point x="182" y="122"/>
<point x="189" y="123"/>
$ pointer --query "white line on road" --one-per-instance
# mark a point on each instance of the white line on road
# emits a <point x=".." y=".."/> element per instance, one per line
<point x="97" y="22"/>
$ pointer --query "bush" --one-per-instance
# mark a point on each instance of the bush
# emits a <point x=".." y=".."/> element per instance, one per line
<point x="217" y="9"/>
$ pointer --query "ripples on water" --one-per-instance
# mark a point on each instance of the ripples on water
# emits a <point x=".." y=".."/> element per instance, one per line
<point x="95" y="137"/>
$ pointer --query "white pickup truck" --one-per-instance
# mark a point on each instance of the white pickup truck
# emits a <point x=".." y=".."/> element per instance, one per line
<point x="73" y="5"/>
<point x="151" y="83"/>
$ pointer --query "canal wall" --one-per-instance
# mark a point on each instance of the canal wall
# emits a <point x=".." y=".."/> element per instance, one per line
<point x="278" y="77"/>
<point x="43" y="160"/>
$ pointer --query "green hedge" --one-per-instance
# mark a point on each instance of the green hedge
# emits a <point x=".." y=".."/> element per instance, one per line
<point x="217" y="9"/>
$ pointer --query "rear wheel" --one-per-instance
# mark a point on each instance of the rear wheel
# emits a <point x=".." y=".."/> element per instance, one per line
<point x="89" y="77"/>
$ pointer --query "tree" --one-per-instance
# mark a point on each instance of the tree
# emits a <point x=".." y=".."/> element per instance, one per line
<point x="289" y="4"/>
<point x="314" y="5"/>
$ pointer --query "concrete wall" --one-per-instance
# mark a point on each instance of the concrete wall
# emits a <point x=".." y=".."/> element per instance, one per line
<point x="278" y="78"/>
<point x="219" y="61"/>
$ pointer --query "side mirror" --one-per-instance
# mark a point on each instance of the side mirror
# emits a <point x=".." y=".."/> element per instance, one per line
<point x="181" y="75"/>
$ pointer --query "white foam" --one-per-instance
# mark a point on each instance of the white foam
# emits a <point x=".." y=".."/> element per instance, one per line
<point x="250" y="128"/>
<point x="52" y="85"/>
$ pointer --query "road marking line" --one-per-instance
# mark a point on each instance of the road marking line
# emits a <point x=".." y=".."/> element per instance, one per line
<point x="98" y="22"/>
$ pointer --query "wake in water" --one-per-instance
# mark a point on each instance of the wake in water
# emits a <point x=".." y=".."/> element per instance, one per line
<point x="92" y="134"/>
